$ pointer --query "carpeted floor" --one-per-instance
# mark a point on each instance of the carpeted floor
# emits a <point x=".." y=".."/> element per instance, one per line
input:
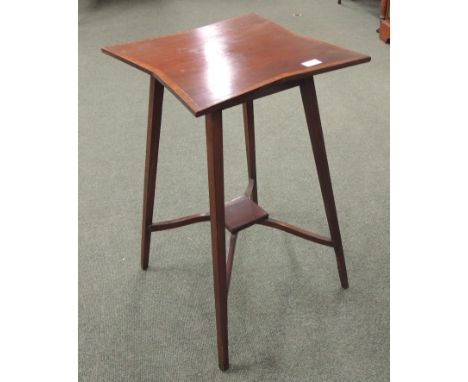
<point x="289" y="320"/>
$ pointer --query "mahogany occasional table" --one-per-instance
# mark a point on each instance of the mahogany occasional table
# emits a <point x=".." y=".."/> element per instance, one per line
<point x="215" y="67"/>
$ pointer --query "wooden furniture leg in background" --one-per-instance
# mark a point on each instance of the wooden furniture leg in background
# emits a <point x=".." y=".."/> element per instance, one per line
<point x="214" y="147"/>
<point x="384" y="28"/>
<point x="309" y="99"/>
<point x="152" y="149"/>
<point x="249" y="130"/>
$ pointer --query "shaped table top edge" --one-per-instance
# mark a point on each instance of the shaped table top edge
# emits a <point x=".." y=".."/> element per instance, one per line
<point x="277" y="83"/>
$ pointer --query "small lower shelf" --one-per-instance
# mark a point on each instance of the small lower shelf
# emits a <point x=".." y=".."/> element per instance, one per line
<point x="241" y="213"/>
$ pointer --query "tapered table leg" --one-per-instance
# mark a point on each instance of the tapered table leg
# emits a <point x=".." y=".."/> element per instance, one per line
<point x="152" y="148"/>
<point x="214" y="144"/>
<point x="249" y="130"/>
<point x="309" y="99"/>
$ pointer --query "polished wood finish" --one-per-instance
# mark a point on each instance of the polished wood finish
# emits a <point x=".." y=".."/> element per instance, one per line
<point x="152" y="150"/>
<point x="286" y="227"/>
<point x="180" y="222"/>
<point x="309" y="100"/>
<point x="218" y="66"/>
<point x="249" y="132"/>
<point x="214" y="147"/>
<point x="242" y="212"/>
<point x="208" y="67"/>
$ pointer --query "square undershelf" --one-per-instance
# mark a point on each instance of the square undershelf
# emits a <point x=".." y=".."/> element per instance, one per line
<point x="241" y="213"/>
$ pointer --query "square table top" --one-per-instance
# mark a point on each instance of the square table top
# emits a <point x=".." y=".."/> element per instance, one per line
<point x="222" y="64"/>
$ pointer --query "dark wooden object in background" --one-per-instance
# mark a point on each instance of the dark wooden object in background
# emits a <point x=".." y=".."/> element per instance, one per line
<point x="384" y="28"/>
<point x="212" y="68"/>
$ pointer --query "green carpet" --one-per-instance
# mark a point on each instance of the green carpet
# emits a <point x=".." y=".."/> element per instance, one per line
<point x="289" y="320"/>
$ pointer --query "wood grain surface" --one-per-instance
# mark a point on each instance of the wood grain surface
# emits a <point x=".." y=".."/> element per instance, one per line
<point x="223" y="64"/>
